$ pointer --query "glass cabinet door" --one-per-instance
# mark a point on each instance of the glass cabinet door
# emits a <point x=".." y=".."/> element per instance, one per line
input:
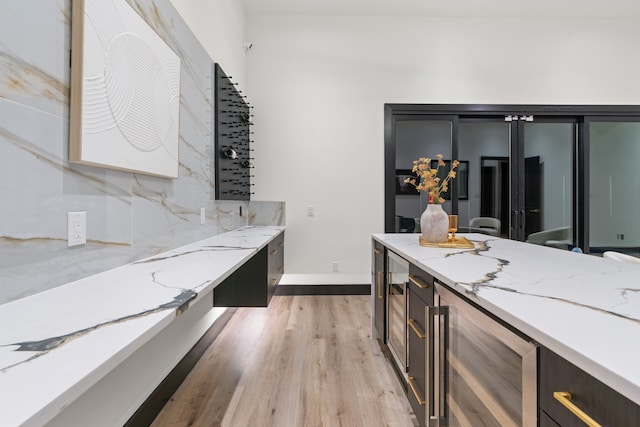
<point x="549" y="191"/>
<point x="487" y="373"/>
<point x="614" y="179"/>
<point x="485" y="145"/>
<point x="415" y="139"/>
<point x="398" y="276"/>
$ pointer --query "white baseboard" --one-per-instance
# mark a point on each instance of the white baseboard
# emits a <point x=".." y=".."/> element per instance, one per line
<point x="325" y="279"/>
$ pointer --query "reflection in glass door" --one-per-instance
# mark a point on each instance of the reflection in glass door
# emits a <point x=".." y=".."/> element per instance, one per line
<point x="549" y="159"/>
<point x="486" y="146"/>
<point x="553" y="175"/>
<point x="521" y="179"/>
<point x="415" y="139"/>
<point x="614" y="179"/>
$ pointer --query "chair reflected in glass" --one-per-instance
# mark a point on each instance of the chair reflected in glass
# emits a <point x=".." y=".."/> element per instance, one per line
<point x="485" y="225"/>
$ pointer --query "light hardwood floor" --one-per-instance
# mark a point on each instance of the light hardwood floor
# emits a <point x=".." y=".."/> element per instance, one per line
<point x="303" y="361"/>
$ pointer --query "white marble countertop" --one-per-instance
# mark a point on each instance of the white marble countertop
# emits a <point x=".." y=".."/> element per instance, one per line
<point x="56" y="344"/>
<point x="583" y="307"/>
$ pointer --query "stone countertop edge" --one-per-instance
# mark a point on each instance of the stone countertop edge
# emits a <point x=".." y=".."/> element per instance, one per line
<point x="86" y="345"/>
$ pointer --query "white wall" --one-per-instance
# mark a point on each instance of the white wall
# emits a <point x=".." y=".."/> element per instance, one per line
<point x="220" y="27"/>
<point x="319" y="84"/>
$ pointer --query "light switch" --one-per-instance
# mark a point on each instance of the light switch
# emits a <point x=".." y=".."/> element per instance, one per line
<point x="203" y="216"/>
<point x="311" y="211"/>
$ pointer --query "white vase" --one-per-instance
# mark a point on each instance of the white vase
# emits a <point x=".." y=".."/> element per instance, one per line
<point x="434" y="224"/>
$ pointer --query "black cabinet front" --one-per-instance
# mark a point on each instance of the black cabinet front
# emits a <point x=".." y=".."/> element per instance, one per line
<point x="245" y="287"/>
<point x="420" y="371"/>
<point x="378" y="290"/>
<point x="255" y="282"/>
<point x="566" y="390"/>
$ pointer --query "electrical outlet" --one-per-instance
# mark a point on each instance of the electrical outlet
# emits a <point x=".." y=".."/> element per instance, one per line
<point x="335" y="266"/>
<point x="203" y="216"/>
<point x="311" y="211"/>
<point x="76" y="228"/>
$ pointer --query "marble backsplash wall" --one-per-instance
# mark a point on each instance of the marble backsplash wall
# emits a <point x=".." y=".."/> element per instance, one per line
<point x="129" y="216"/>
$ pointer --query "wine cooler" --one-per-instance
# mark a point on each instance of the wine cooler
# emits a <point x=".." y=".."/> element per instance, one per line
<point x="398" y="276"/>
<point x="484" y="374"/>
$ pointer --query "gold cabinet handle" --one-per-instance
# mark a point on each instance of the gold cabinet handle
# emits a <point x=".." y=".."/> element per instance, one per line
<point x="412" y="323"/>
<point x="415" y="281"/>
<point x="564" y="398"/>
<point x="273" y="252"/>
<point x="273" y="281"/>
<point x="281" y="244"/>
<point x="377" y="251"/>
<point x="380" y="296"/>
<point x="280" y="269"/>
<point x="415" y="392"/>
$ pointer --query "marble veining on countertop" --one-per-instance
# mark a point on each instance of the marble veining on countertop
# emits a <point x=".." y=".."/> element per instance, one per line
<point x="56" y="344"/>
<point x="583" y="307"/>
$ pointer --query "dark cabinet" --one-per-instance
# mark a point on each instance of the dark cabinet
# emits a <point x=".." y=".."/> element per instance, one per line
<point x="255" y="282"/>
<point x="378" y="290"/>
<point x="275" y="266"/>
<point x="465" y="366"/>
<point x="420" y="349"/>
<point x="544" y="420"/>
<point x="565" y="387"/>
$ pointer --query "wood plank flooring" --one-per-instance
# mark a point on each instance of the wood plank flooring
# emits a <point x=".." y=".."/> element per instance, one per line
<point x="303" y="361"/>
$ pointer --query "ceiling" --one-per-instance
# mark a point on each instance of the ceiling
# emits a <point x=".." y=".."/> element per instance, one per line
<point x="581" y="9"/>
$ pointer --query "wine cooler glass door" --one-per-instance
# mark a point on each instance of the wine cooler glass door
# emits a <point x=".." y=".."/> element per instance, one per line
<point x="487" y="373"/>
<point x="398" y="269"/>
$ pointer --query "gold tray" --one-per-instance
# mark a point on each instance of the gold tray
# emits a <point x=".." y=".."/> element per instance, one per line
<point x="458" y="242"/>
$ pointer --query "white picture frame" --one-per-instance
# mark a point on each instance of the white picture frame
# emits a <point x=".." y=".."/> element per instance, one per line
<point x="125" y="91"/>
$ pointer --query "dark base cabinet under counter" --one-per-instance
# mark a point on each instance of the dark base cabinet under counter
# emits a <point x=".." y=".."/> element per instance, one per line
<point x="379" y="291"/>
<point x="603" y="405"/>
<point x="470" y="365"/>
<point x="256" y="281"/>
<point x="420" y="347"/>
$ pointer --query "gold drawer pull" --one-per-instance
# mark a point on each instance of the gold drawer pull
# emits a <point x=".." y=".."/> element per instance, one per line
<point x="415" y="392"/>
<point x="273" y="281"/>
<point x="273" y="252"/>
<point x="564" y="398"/>
<point x="377" y="251"/>
<point x="412" y="323"/>
<point x="415" y="281"/>
<point x="380" y="296"/>
<point x="280" y="269"/>
<point x="281" y="244"/>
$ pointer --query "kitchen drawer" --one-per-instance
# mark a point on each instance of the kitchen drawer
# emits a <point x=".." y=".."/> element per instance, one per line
<point x="275" y="267"/>
<point x="422" y="283"/>
<point x="416" y="329"/>
<point x="606" y="406"/>
<point x="417" y="335"/>
<point x="544" y="420"/>
<point x="416" y="390"/>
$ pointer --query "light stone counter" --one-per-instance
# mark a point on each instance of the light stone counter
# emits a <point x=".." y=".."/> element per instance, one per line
<point x="56" y="344"/>
<point x="583" y="307"/>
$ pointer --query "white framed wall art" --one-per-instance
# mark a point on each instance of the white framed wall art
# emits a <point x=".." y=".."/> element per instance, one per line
<point x="125" y="91"/>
